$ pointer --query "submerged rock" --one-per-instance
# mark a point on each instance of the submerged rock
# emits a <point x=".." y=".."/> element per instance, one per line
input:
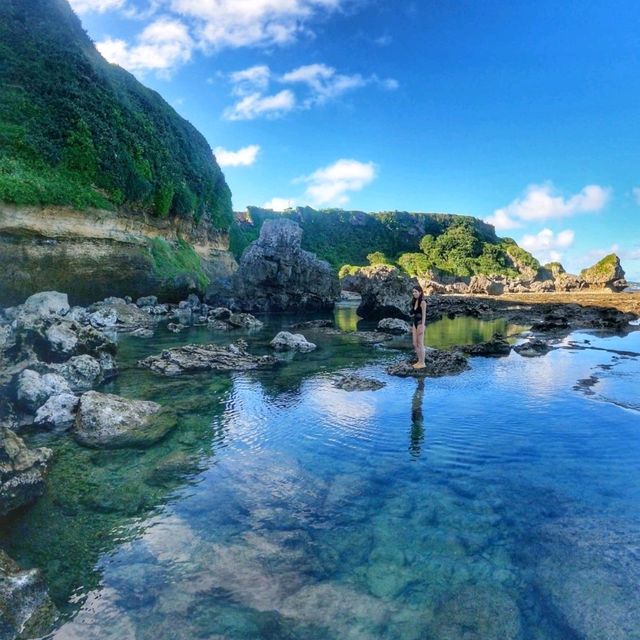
<point x="108" y="421"/>
<point x="22" y="471"/>
<point x="533" y="347"/>
<point x="497" y="347"/>
<point x="285" y="341"/>
<point x="192" y="358"/>
<point x="313" y="324"/>
<point x="352" y="382"/>
<point x="437" y="363"/>
<point x="33" y="389"/>
<point x="26" y="611"/>
<point x="395" y="326"/>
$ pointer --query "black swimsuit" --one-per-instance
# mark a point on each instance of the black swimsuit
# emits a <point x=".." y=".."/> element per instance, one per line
<point x="417" y="314"/>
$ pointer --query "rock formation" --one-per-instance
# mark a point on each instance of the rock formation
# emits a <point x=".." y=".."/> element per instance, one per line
<point x="275" y="274"/>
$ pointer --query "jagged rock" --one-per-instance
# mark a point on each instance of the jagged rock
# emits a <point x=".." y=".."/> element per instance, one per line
<point x="244" y="321"/>
<point x="285" y="341"/>
<point x="275" y="274"/>
<point x="385" y="291"/>
<point x="554" y="321"/>
<point x="218" y="325"/>
<point x="157" y="310"/>
<point x="486" y="285"/>
<point x="62" y="339"/>
<point x="147" y="301"/>
<point x="496" y="347"/>
<point x="192" y="358"/>
<point x="116" y="314"/>
<point x="81" y="372"/>
<point x="107" y="421"/>
<point x="394" y="326"/>
<point x="607" y="273"/>
<point x="33" y="389"/>
<point x="220" y="313"/>
<point x="543" y="286"/>
<point x="22" y="471"/>
<point x="567" y="282"/>
<point x="352" y="382"/>
<point x="58" y="411"/>
<point x="437" y="363"/>
<point x="533" y="347"/>
<point x="103" y="318"/>
<point x="26" y="611"/>
<point x="46" y="303"/>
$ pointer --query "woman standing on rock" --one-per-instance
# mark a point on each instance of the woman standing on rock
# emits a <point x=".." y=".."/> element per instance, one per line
<point x="419" y="315"/>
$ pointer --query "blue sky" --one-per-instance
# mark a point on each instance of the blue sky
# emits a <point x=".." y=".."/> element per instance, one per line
<point x="521" y="113"/>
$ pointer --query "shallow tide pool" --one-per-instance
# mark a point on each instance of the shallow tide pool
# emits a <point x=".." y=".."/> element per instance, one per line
<point x="502" y="503"/>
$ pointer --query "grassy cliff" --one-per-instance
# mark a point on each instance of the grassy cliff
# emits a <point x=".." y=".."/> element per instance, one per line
<point x="76" y="130"/>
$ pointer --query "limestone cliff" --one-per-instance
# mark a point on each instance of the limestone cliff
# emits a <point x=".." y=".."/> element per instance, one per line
<point x="95" y="253"/>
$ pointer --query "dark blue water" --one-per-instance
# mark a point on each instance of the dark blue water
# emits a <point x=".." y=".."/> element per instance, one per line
<point x="500" y="503"/>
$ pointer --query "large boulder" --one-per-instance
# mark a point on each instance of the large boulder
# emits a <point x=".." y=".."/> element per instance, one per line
<point x="46" y="303"/>
<point x="605" y="274"/>
<point x="286" y="341"/>
<point x="26" y="611"/>
<point x="22" y="471"/>
<point x="437" y="363"/>
<point x="486" y="285"/>
<point x="275" y="274"/>
<point x="58" y="411"/>
<point x="81" y="372"/>
<point x="107" y="421"/>
<point x="395" y="326"/>
<point x="33" y="389"/>
<point x="385" y="291"/>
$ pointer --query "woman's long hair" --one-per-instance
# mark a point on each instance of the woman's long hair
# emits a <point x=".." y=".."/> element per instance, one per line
<point x="419" y="299"/>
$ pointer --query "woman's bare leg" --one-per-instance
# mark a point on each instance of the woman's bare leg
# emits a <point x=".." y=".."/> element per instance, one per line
<point x="420" y="347"/>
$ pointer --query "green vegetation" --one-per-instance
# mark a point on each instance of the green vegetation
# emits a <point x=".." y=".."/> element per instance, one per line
<point x="76" y="130"/>
<point x="171" y="261"/>
<point x="603" y="267"/>
<point x="418" y="243"/>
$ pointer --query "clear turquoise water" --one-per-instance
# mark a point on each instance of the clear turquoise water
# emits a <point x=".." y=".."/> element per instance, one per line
<point x="501" y="503"/>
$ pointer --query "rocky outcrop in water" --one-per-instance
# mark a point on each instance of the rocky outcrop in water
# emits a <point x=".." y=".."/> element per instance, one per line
<point x="605" y="274"/>
<point x="437" y="363"/>
<point x="533" y="347"/>
<point x="107" y="421"/>
<point x="193" y="358"/>
<point x="22" y="471"/>
<point x="497" y="347"/>
<point x="26" y="611"/>
<point x="286" y="341"/>
<point x="353" y="382"/>
<point x="385" y="291"/>
<point x="275" y="274"/>
<point x="395" y="326"/>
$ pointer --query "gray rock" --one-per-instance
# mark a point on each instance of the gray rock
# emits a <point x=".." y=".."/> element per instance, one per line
<point x="33" y="389"/>
<point x="192" y="358"/>
<point x="142" y="333"/>
<point x="104" y="317"/>
<point x="275" y="274"/>
<point x="158" y="310"/>
<point x="395" y="326"/>
<point x="244" y="321"/>
<point x="496" y="347"/>
<point x="437" y="363"/>
<point x="220" y="313"/>
<point x="58" y="411"/>
<point x="26" y="611"/>
<point x="218" y="325"/>
<point x="62" y="338"/>
<point x="46" y="303"/>
<point x="81" y="372"/>
<point x="385" y="291"/>
<point x="22" y="471"/>
<point x="607" y="273"/>
<point x="116" y="314"/>
<point x="533" y="347"/>
<point x="285" y="341"/>
<point x="352" y="382"/>
<point x="147" y="301"/>
<point x="486" y="285"/>
<point x="107" y="421"/>
<point x="78" y="314"/>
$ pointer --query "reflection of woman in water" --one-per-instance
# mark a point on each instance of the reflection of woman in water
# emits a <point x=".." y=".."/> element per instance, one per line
<point x="419" y="317"/>
<point x="417" y="421"/>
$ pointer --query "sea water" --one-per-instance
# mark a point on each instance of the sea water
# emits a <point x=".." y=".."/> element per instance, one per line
<point x="500" y="503"/>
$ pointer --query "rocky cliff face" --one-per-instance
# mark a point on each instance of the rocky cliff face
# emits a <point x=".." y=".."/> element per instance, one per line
<point x="93" y="254"/>
<point x="275" y="274"/>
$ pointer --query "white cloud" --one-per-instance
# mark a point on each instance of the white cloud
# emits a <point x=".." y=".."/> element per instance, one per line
<point x="99" y="6"/>
<point x="255" y="105"/>
<point x="162" y="46"/>
<point x="636" y="194"/>
<point x="249" y="80"/>
<point x="240" y="23"/>
<point x="279" y="204"/>
<point x="541" y="202"/>
<point x="330" y="185"/>
<point x="323" y="81"/>
<point x="546" y="243"/>
<point x="244" y="157"/>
